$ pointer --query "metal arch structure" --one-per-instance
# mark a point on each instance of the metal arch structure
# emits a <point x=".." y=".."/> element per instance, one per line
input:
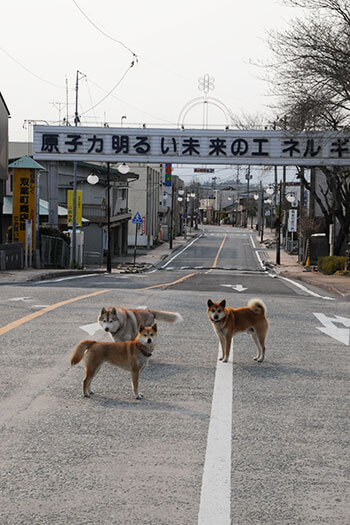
<point x="204" y="100"/>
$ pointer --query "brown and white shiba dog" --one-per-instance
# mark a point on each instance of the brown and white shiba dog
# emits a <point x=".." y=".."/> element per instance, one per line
<point x="228" y="321"/>
<point x="122" y="323"/>
<point x="130" y="355"/>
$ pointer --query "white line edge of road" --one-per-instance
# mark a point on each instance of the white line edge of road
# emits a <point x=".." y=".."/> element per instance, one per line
<point x="185" y="248"/>
<point x="65" y="278"/>
<point x="298" y="285"/>
<point x="256" y="253"/>
<point x="215" y="502"/>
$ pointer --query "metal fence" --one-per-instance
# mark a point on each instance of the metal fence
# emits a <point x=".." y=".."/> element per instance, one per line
<point x="11" y="256"/>
<point x="54" y="252"/>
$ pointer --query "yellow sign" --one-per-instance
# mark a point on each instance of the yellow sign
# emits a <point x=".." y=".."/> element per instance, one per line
<point x="23" y="208"/>
<point x="79" y="207"/>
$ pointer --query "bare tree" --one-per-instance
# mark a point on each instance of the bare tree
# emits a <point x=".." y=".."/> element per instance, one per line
<point x="311" y="76"/>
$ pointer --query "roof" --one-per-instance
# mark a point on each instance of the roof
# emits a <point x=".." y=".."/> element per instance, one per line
<point x="26" y="162"/>
<point x="43" y="208"/>
<point x="3" y="101"/>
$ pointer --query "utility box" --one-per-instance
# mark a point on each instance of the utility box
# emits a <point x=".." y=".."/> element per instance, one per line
<point x="164" y="232"/>
<point x="319" y="247"/>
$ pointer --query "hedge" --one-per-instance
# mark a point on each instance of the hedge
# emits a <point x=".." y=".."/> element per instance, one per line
<point x="331" y="264"/>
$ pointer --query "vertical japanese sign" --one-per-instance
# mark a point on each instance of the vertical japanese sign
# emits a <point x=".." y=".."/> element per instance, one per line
<point x="70" y="208"/>
<point x="168" y="172"/>
<point x="292" y="220"/>
<point x="24" y="202"/>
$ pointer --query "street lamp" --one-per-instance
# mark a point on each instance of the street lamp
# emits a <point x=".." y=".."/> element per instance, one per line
<point x="123" y="168"/>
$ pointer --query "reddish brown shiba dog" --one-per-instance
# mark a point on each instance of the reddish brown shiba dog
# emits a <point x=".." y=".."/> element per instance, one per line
<point x="228" y="321"/>
<point x="130" y="355"/>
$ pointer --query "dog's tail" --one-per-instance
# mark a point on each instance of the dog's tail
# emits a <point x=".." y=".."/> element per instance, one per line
<point x="168" y="317"/>
<point x="80" y="350"/>
<point x="257" y="306"/>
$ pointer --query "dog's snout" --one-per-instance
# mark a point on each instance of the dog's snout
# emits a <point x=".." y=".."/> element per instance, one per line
<point x="216" y="316"/>
<point x="149" y="340"/>
<point x="106" y="329"/>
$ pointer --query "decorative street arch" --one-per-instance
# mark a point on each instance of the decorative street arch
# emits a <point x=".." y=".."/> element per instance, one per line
<point x="192" y="146"/>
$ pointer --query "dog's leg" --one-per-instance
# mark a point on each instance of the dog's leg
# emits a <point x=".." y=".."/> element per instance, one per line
<point x="135" y="384"/>
<point x="261" y="336"/>
<point x="256" y="341"/>
<point x="227" y="340"/>
<point x="222" y="344"/>
<point x="259" y="340"/>
<point x="89" y="375"/>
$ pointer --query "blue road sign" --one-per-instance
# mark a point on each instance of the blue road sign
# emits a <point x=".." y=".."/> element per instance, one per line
<point x="137" y="219"/>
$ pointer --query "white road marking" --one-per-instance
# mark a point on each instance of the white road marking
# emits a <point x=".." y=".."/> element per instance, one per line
<point x="188" y="245"/>
<point x="91" y="329"/>
<point x="329" y="328"/>
<point x="298" y="285"/>
<point x="24" y="299"/>
<point x="257" y="253"/>
<point x="40" y="305"/>
<point x="237" y="287"/>
<point x="65" y="278"/>
<point x="215" y="502"/>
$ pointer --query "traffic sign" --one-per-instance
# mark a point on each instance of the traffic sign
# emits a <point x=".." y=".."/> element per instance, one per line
<point x="137" y="219"/>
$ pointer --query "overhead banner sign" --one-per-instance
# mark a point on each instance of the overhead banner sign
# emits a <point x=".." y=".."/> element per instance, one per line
<point x="191" y="146"/>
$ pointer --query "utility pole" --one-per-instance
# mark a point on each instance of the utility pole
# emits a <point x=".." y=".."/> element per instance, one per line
<point x="109" y="255"/>
<point x="75" y="170"/>
<point x="262" y="213"/>
<point x="278" y="229"/>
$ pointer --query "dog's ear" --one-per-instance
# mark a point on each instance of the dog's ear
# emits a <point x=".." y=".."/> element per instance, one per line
<point x="210" y="303"/>
<point x="141" y="327"/>
<point x="114" y="311"/>
<point x="154" y="327"/>
<point x="103" y="311"/>
<point x="223" y="303"/>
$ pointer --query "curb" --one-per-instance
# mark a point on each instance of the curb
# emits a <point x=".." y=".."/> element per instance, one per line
<point x="319" y="284"/>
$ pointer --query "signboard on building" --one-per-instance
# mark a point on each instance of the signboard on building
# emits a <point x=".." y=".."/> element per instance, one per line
<point x="190" y="146"/>
<point x="24" y="202"/>
<point x="70" y="208"/>
<point x="203" y="170"/>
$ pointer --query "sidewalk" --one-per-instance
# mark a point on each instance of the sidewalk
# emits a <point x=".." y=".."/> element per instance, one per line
<point x="289" y="267"/>
<point x="145" y="260"/>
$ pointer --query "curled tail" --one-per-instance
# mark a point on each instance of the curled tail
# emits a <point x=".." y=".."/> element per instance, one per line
<point x="257" y="306"/>
<point x="80" y="350"/>
<point x="168" y="317"/>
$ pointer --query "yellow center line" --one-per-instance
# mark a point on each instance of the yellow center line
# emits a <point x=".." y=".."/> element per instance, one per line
<point x="43" y="311"/>
<point x="169" y="284"/>
<point x="217" y="255"/>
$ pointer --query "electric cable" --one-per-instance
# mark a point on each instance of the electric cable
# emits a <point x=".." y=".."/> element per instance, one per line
<point x="105" y="34"/>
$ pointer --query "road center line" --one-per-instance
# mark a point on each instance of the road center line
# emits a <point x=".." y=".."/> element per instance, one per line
<point x="215" y="502"/>
<point x="217" y="255"/>
<point x="29" y="317"/>
<point x="167" y="285"/>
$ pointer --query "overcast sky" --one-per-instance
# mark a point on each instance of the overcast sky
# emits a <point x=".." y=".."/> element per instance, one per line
<point x="43" y="43"/>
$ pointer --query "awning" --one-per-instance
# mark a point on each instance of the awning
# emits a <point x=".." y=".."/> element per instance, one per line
<point x="43" y="208"/>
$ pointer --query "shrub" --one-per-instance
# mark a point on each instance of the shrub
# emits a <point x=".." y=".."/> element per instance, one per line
<point x="331" y="264"/>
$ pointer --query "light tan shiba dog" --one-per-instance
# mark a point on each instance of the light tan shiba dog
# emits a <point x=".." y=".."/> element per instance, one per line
<point x="228" y="321"/>
<point x="130" y="355"/>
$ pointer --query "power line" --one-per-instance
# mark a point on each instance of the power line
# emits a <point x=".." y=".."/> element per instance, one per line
<point x="103" y="33"/>
<point x="29" y="71"/>
<point x="113" y="88"/>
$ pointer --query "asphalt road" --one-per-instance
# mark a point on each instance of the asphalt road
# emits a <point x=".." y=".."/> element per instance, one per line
<point x="219" y="443"/>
